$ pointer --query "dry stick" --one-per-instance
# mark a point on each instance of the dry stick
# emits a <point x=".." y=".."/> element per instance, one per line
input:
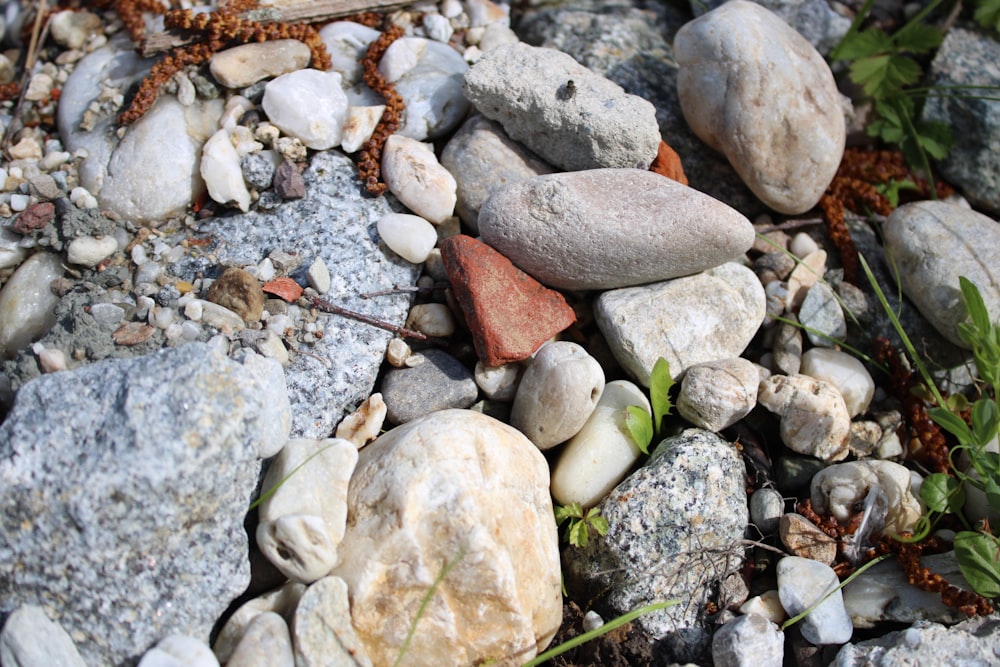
<point x="328" y="307"/>
<point x="38" y="33"/>
<point x="808" y="222"/>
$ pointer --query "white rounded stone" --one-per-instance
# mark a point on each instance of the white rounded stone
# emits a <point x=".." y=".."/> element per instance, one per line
<point x="814" y="417"/>
<point x="90" y="250"/>
<point x="409" y="236"/>
<point x="30" y="639"/>
<point x="364" y="424"/>
<point x="281" y="601"/>
<point x="837" y="490"/>
<point x="845" y="372"/>
<point x="220" y="167"/>
<point x="802" y="583"/>
<point x="27" y="303"/>
<point x="717" y="394"/>
<point x="498" y="383"/>
<point x="412" y="173"/>
<point x="748" y="640"/>
<point x="318" y="276"/>
<point x="346" y="42"/>
<point x="602" y="452"/>
<point x="308" y="105"/>
<point x="768" y="605"/>
<point x="431" y="319"/>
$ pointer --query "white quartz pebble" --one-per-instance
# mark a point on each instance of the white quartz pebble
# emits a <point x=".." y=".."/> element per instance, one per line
<point x="220" y="167"/>
<point x="431" y="319"/>
<point x="498" y="383"/>
<point x="843" y="371"/>
<point x="179" y="651"/>
<point x="11" y="253"/>
<point x="219" y="317"/>
<point x="359" y="126"/>
<point x="309" y="105"/>
<point x="281" y="601"/>
<point x="717" y="394"/>
<point x="304" y="520"/>
<point x="558" y="392"/>
<point x="409" y="236"/>
<point x="27" y="303"/>
<point x="602" y="453"/>
<point x="318" y="276"/>
<point x="814" y="418"/>
<point x="748" y="640"/>
<point x="51" y="359"/>
<point x="265" y="643"/>
<point x="802" y="583"/>
<point x="364" y="424"/>
<point x="412" y="173"/>
<point x="90" y="250"/>
<point x="767" y="604"/>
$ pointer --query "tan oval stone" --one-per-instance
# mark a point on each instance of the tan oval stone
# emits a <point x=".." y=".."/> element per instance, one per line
<point x="245" y="64"/>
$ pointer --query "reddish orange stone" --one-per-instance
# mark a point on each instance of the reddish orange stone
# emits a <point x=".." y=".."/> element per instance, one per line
<point x="668" y="163"/>
<point x="284" y="287"/>
<point x="509" y="313"/>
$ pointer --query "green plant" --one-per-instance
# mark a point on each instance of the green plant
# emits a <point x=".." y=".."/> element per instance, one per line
<point x="988" y="14"/>
<point x="641" y="425"/>
<point x="581" y="522"/>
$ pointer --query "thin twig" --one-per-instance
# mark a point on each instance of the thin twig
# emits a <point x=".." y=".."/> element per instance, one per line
<point x="403" y="289"/>
<point x="807" y="222"/>
<point x="39" y="30"/>
<point x="328" y="307"/>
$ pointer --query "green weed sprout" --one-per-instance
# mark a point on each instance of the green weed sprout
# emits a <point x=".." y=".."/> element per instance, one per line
<point x="641" y="425"/>
<point x="581" y="522"/>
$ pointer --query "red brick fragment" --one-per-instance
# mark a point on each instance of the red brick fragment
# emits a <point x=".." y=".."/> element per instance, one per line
<point x="284" y="287"/>
<point x="35" y="216"/>
<point x="133" y="333"/>
<point x="668" y="163"/>
<point x="509" y="313"/>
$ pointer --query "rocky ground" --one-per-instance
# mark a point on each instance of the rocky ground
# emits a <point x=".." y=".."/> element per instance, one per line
<point x="322" y="293"/>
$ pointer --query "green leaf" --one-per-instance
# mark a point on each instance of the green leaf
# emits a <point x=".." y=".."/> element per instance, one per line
<point x="942" y="493"/>
<point x="864" y="45"/>
<point x="572" y="511"/>
<point x="660" y="383"/>
<point x="578" y="536"/>
<point x="597" y="522"/>
<point x="974" y="303"/>
<point x="985" y="420"/>
<point x="884" y="75"/>
<point x="952" y="423"/>
<point x="891" y="190"/>
<point x="640" y="426"/>
<point x="978" y="556"/>
<point x="988" y="14"/>
<point x="992" y="491"/>
<point x="936" y="138"/>
<point x="918" y="38"/>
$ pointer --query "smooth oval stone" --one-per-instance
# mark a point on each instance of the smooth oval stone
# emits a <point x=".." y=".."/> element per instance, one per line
<point x="346" y="42"/>
<point x="30" y="639"/>
<point x="90" y="250"/>
<point x="748" y="640"/>
<point x="602" y="452"/>
<point x="822" y="316"/>
<point x="412" y="173"/>
<point x="843" y="371"/>
<point x="705" y="317"/>
<point x="755" y="90"/>
<point x="409" y="236"/>
<point x="558" y="392"/>
<point x="932" y="244"/>
<point x="27" y="303"/>
<point x="242" y="65"/>
<point x="309" y="105"/>
<point x="431" y="87"/>
<point x="802" y="583"/>
<point x="717" y="394"/>
<point x="766" y="507"/>
<point x="608" y="228"/>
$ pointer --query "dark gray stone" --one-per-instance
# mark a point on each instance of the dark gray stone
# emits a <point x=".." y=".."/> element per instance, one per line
<point x="813" y="19"/>
<point x="440" y="382"/>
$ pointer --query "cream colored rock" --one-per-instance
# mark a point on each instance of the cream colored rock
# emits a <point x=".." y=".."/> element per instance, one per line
<point x="412" y="173"/>
<point x="242" y="65"/>
<point x="558" y="392"/>
<point x="359" y="126"/>
<point x="363" y="425"/>
<point x="431" y="319"/>
<point x="308" y="105"/>
<point x="814" y="417"/>
<point x="498" y="383"/>
<point x="717" y="394"/>
<point x="446" y="490"/>
<point x="281" y="601"/>
<point x="838" y="489"/>
<point x="302" y="522"/>
<point x="27" y="303"/>
<point x="754" y="89"/>
<point x="804" y="275"/>
<point x="220" y="167"/>
<point x="845" y="372"/>
<point x="266" y="643"/>
<point x="322" y="628"/>
<point x="90" y="250"/>
<point x="602" y="453"/>
<point x="802" y="538"/>
<point x="409" y="236"/>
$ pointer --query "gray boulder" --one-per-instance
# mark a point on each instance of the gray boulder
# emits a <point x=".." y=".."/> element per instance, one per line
<point x="973" y="642"/>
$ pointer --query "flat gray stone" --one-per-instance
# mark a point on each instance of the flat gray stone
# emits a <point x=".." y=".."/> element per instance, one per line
<point x="126" y="485"/>
<point x="440" y="382"/>
<point x="802" y="583"/>
<point x="973" y="642"/>
<point x="30" y="639"/>
<point x="608" y="228"/>
<point x="822" y="316"/>
<point x="571" y="116"/>
<point x="674" y="529"/>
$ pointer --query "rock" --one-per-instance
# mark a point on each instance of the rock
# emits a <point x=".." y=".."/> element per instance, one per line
<point x="35" y="216"/>
<point x="318" y="276"/>
<point x="265" y="643"/>
<point x="559" y="391"/>
<point x="30" y="639"/>
<point x="572" y="117"/>
<point x="837" y="489"/>
<point x="11" y="252"/>
<point x="431" y="319"/>
<point x="360" y="126"/>
<point x="801" y="584"/>
<point x="129" y="489"/>
<point x="438" y="383"/>
<point x="346" y="42"/>
<point x="481" y="157"/>
<point x="933" y="243"/>
<point x="767" y="604"/>
<point x="322" y="627"/>
<point x="72" y="28"/>
<point x="674" y="529"/>
<point x="409" y="236"/>
<point x="822" y="316"/>
<point x="599" y="456"/>
<point x="220" y="168"/>
<point x="90" y="251"/>
<point x="815" y="20"/>
<point x="814" y="417"/>
<point x="288" y="181"/>
<point x="27" y="303"/>
<point x="806" y="273"/>
<point x="968" y="58"/>
<point x="843" y="371"/>
<point x="498" y="383"/>
<point x="755" y="90"/>
<point x="509" y="313"/>
<point x="309" y="105"/>
<point x="178" y="650"/>
<point x="364" y="424"/>
<point x="238" y="291"/>
<point x="787" y="348"/>
<point x="705" y="317"/>
<point x="246" y="64"/>
<point x="302" y="521"/>
<point x="717" y="394"/>
<point x="412" y="173"/>
<point x="668" y="163"/>
<point x="766" y="507"/>
<point x="282" y="601"/>
<point x="805" y="540"/>
<point x="748" y="641"/>
<point x="405" y="529"/>
<point x="608" y="228"/>
<point x="973" y="642"/>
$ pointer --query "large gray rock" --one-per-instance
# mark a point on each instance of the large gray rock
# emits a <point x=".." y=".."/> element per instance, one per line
<point x="458" y="501"/>
<point x="758" y="92"/>
<point x="126" y="484"/>
<point x="969" y="58"/>
<point x="973" y="642"/>
<point x="571" y="116"/>
<point x="933" y="243"/>
<point x="813" y="19"/>
<point x="674" y="531"/>
<point x="608" y="228"/>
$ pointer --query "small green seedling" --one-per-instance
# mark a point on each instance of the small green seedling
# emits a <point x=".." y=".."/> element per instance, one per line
<point x="988" y="14"/>
<point x="580" y="523"/>
<point x="641" y="425"/>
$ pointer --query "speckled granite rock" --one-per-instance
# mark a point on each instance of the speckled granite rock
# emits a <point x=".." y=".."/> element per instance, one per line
<point x="813" y="19"/>
<point x="973" y="642"/>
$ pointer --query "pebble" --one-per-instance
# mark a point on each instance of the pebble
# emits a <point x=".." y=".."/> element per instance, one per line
<point x="308" y="105"/>
<point x="220" y="167"/>
<point x="30" y="639"/>
<point x="766" y="507"/>
<point x="346" y="42"/>
<point x="35" y="216"/>
<point x="705" y="317"/>
<point x="805" y="540"/>
<point x="266" y="642"/>
<point x="787" y="348"/>
<point x="359" y="126"/>
<point x="837" y="490"/>
<point x="246" y="64"/>
<point x="72" y="28"/>
<point x="806" y="273"/>
<point x="220" y="317"/>
<point x="27" y="303"/>
<point x="409" y="236"/>
<point x="767" y="604"/>
<point x="608" y="228"/>
<point x="11" y="252"/>
<point x="845" y="372"/>
<point x="599" y="456"/>
<point x="412" y="173"/>
<point x="440" y="382"/>
<point x="973" y="642"/>
<point x="318" y="276"/>
<point x="509" y="313"/>
<point x="431" y="319"/>
<point x="178" y="650"/>
<point x="748" y="641"/>
<point x="302" y="523"/>
<point x="932" y="244"/>
<point x="288" y="181"/>
<point x="364" y="424"/>
<point x="558" y="392"/>
<point x="237" y="291"/>
<point x="814" y="417"/>
<point x="572" y="117"/>
<point x="716" y="394"/>
<point x="498" y="383"/>
<point x="755" y="90"/>
<point x="322" y="630"/>
<point x="90" y="251"/>
<point x="801" y="584"/>
<point x="281" y="601"/>
<point x="822" y="316"/>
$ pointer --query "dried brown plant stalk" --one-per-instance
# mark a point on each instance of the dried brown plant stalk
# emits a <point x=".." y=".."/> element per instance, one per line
<point x="370" y="156"/>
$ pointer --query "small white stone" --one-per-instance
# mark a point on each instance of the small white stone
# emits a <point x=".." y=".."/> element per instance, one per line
<point x="359" y="126"/>
<point x="219" y="317"/>
<point x="814" y="417"/>
<point x="318" y="276"/>
<point x="801" y="584"/>
<point x="72" y="28"/>
<point x="91" y="250"/>
<point x="29" y="639"/>
<point x="438" y="27"/>
<point x="346" y="42"/>
<point x="281" y="601"/>
<point x="838" y="489"/>
<point x="592" y="620"/>
<point x="39" y="88"/>
<point x="843" y="371"/>
<point x="49" y="358"/>
<point x="748" y="640"/>
<point x="498" y="383"/>
<point x="220" y="167"/>
<point x="431" y="319"/>
<point x="27" y="304"/>
<point x="193" y="309"/>
<point x="802" y="245"/>
<point x="363" y="425"/>
<point x="309" y="105"/>
<point x="271" y="346"/>
<point x="179" y="651"/>
<point x="768" y="605"/>
<point x="246" y="64"/>
<point x="266" y="642"/>
<point x="717" y="394"/>
<point x="397" y="352"/>
<point x="81" y="197"/>
<point x="409" y="236"/>
<point x="19" y="202"/>
<point x="265" y="270"/>
<point x="413" y="174"/>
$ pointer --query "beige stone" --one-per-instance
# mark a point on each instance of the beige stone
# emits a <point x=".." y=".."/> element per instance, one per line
<point x="838" y="489"/>
<point x="245" y="64"/>
<point x="804" y="539"/>
<point x="814" y="417"/>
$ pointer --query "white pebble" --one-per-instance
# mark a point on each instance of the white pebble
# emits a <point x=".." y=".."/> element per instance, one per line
<point x="414" y="175"/>
<point x="802" y="583"/>
<point x="190" y="331"/>
<point x="717" y="394"/>
<point x="431" y="319"/>
<point x="27" y="303"/>
<point x="161" y="317"/>
<point x="363" y="425"/>
<point x="397" y="352"/>
<point x="265" y="270"/>
<point x="409" y="236"/>
<point x="193" y="310"/>
<point x="221" y="318"/>
<point x="843" y="371"/>
<point x="802" y="245"/>
<point x="220" y="167"/>
<point x="179" y="651"/>
<point x="81" y="198"/>
<point x="359" y="126"/>
<point x="91" y="250"/>
<point x="438" y="27"/>
<point x="498" y="383"/>
<point x="139" y="256"/>
<point x="401" y="56"/>
<point x="309" y="105"/>
<point x="219" y="343"/>
<point x="173" y="332"/>
<point x="271" y="346"/>
<point x="49" y="358"/>
<point x="318" y="276"/>
<point x="19" y="202"/>
<point x="592" y="620"/>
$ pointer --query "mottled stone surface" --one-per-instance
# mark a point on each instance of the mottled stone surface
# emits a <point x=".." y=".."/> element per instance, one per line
<point x="815" y="20"/>
<point x="748" y="640"/>
<point x="973" y="642"/>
